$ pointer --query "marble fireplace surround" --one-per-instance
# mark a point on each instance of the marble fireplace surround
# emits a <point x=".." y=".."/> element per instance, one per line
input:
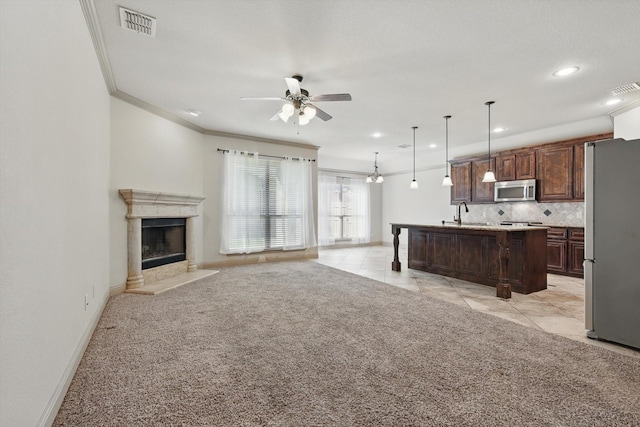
<point x="153" y="204"/>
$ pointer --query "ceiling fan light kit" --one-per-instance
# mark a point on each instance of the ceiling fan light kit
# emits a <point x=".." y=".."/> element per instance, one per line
<point x="299" y="102"/>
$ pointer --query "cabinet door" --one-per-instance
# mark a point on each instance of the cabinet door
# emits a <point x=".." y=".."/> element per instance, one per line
<point x="555" y="173"/>
<point x="506" y="167"/>
<point x="526" y="164"/>
<point x="578" y="172"/>
<point x="481" y="192"/>
<point x="418" y="242"/>
<point x="461" y="177"/>
<point x="576" y="258"/>
<point x="556" y="256"/>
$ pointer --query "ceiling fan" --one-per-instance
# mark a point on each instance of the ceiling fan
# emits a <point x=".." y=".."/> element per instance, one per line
<point x="299" y="102"/>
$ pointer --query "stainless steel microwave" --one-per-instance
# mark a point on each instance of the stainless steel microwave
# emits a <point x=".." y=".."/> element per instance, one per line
<point x="515" y="191"/>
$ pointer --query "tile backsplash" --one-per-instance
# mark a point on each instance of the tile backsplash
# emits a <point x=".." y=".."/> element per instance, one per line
<point x="559" y="214"/>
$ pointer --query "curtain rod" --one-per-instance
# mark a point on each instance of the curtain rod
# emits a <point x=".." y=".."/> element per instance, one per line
<point x="224" y="151"/>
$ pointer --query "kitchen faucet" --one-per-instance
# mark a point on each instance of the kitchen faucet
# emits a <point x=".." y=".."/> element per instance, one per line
<point x="459" y="218"/>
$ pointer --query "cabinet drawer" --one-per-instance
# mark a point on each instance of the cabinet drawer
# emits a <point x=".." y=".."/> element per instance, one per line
<point x="576" y="234"/>
<point x="556" y="233"/>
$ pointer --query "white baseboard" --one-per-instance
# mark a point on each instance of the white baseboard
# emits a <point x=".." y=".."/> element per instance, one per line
<point x="53" y="406"/>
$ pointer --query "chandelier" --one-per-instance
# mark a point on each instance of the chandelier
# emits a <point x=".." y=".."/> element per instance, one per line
<point x="375" y="177"/>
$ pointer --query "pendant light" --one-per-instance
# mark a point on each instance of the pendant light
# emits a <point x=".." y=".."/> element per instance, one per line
<point x="414" y="183"/>
<point x="446" y="181"/>
<point x="489" y="176"/>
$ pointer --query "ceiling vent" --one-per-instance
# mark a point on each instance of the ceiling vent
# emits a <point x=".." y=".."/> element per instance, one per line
<point x="621" y="90"/>
<point x="136" y="21"/>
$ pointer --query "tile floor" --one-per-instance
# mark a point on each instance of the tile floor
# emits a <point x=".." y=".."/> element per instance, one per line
<point x="559" y="309"/>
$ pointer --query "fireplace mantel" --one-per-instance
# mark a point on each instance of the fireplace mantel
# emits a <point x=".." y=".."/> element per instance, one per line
<point x="153" y="204"/>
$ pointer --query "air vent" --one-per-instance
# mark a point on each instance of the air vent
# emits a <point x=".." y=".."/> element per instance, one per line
<point x="136" y="21"/>
<point x="620" y="90"/>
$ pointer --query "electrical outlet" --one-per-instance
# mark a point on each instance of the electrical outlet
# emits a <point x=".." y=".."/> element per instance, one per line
<point x="86" y="301"/>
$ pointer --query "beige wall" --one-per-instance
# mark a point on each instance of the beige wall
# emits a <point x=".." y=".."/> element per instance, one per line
<point x="149" y="152"/>
<point x="54" y="227"/>
<point x="627" y="124"/>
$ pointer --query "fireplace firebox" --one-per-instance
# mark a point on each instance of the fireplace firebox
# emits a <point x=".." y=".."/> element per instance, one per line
<point x="163" y="241"/>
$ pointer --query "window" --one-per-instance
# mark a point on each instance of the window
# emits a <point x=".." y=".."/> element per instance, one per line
<point x="343" y="210"/>
<point x="268" y="204"/>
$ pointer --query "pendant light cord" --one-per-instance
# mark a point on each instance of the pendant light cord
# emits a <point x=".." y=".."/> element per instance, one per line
<point x="488" y="104"/>
<point x="414" y="151"/>
<point x="446" y="145"/>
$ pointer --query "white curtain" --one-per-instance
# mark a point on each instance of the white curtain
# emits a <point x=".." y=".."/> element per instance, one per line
<point x="343" y="210"/>
<point x="328" y="195"/>
<point x="267" y="204"/>
<point x="360" y="211"/>
<point x="242" y="227"/>
<point x="297" y="222"/>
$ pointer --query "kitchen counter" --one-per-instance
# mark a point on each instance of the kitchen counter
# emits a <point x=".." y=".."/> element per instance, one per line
<point x="504" y="256"/>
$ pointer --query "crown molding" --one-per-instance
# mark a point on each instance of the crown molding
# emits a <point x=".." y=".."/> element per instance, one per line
<point x="626" y="108"/>
<point x="91" y="16"/>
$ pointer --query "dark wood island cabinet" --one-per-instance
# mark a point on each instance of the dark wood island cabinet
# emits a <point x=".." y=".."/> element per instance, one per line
<point x="473" y="253"/>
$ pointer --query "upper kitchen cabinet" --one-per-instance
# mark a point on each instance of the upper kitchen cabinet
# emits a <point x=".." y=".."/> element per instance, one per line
<point x="481" y="192"/>
<point x="461" y="178"/>
<point x="506" y="167"/>
<point x="525" y="164"/>
<point x="512" y="165"/>
<point x="555" y="173"/>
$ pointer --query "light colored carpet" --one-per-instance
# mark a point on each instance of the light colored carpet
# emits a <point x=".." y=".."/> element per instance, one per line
<point x="300" y="344"/>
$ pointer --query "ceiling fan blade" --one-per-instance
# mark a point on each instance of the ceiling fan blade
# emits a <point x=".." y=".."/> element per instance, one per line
<point x="249" y="98"/>
<point x="319" y="113"/>
<point x="276" y="116"/>
<point x="331" y="97"/>
<point x="293" y="85"/>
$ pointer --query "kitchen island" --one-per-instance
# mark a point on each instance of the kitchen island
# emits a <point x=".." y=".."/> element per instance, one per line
<point x="505" y="257"/>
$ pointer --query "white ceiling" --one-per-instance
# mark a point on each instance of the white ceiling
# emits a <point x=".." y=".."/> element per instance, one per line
<point x="405" y="63"/>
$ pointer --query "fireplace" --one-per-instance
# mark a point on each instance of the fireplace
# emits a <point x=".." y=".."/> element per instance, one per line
<point x="163" y="241"/>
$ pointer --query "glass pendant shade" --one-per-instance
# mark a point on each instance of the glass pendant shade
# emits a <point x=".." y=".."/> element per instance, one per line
<point x="446" y="181"/>
<point x="489" y="176"/>
<point x="413" y="185"/>
<point x="369" y="180"/>
<point x="310" y="112"/>
<point x="379" y="179"/>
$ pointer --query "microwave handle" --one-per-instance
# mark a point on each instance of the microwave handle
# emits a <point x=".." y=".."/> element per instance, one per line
<point x="524" y="192"/>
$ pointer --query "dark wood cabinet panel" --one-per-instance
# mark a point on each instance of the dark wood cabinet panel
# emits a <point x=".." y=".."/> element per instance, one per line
<point x="525" y="164"/>
<point x="576" y="258"/>
<point x="472" y="254"/>
<point x="556" y="256"/>
<point x="418" y="245"/>
<point x="506" y="167"/>
<point x="461" y="177"/>
<point x="442" y="250"/>
<point x="555" y="173"/>
<point x="578" y="172"/>
<point x="481" y="192"/>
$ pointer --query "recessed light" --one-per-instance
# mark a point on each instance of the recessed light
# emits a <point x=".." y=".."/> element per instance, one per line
<point x="498" y="130"/>
<point x="194" y="113"/>
<point x="377" y="135"/>
<point x="612" y="101"/>
<point x="566" y="71"/>
<point x="432" y="145"/>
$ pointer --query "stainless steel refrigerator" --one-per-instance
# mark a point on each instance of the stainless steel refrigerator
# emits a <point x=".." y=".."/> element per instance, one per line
<point x="612" y="241"/>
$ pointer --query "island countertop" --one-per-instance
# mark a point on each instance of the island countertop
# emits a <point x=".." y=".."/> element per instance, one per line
<point x="495" y="255"/>
<point x="473" y="226"/>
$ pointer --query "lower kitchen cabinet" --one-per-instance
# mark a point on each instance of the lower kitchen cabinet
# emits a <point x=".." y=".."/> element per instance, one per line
<point x="565" y="251"/>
